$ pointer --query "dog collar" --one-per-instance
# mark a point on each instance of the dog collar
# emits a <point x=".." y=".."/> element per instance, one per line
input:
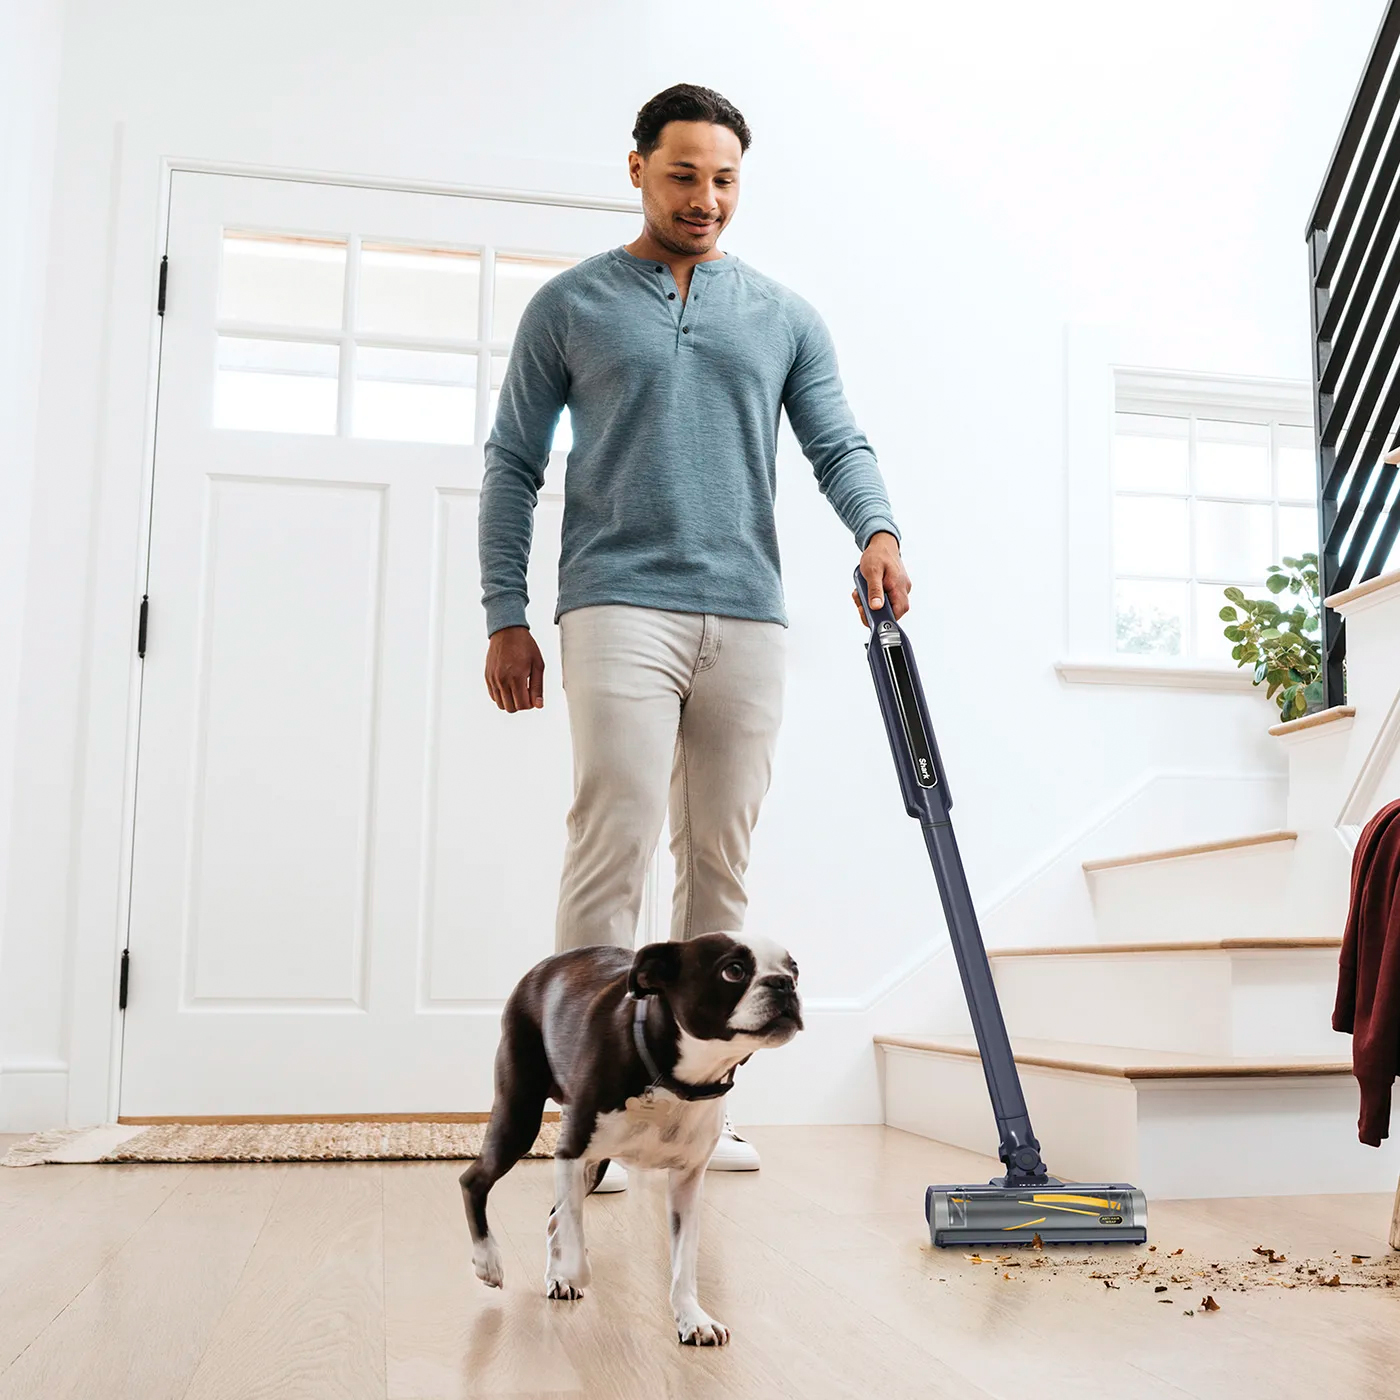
<point x="667" y="1081"/>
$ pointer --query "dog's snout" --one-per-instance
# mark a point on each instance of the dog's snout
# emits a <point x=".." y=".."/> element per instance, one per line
<point x="780" y="982"/>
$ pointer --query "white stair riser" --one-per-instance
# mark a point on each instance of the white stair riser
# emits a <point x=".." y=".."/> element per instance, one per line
<point x="1183" y="1139"/>
<point x="1262" y="1003"/>
<point x="1215" y="895"/>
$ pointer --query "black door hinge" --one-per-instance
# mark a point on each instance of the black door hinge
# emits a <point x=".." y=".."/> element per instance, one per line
<point x="160" y="295"/>
<point x="125" y="979"/>
<point x="141" y="626"/>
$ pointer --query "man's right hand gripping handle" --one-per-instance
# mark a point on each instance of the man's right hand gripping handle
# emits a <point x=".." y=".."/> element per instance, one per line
<point x="515" y="670"/>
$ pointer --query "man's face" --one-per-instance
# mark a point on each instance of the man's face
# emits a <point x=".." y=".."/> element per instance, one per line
<point x="689" y="185"/>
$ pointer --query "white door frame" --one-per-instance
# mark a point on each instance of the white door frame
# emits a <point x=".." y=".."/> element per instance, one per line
<point x="109" y="715"/>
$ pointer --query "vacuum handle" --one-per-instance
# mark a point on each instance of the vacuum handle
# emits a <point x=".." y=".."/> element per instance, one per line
<point x="907" y="724"/>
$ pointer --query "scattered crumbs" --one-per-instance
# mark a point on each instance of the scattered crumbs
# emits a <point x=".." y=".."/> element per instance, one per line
<point x="1208" y="1304"/>
<point x="1175" y="1252"/>
<point x="1359" y="1258"/>
<point x="1161" y="1288"/>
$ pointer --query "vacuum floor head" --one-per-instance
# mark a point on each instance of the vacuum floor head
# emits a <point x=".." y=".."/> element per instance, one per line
<point x="1058" y="1212"/>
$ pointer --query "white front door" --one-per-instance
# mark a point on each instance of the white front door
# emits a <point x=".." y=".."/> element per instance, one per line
<point x="344" y="855"/>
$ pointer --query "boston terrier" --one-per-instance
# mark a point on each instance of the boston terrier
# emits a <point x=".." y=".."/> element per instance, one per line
<point x="640" y="1050"/>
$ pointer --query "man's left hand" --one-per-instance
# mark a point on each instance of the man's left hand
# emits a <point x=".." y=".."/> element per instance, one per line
<point x="885" y="575"/>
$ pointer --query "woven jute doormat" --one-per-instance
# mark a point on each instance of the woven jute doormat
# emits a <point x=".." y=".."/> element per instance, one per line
<point x="263" y="1142"/>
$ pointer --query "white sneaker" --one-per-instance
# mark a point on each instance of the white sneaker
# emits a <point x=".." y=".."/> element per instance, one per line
<point x="732" y="1153"/>
<point x="614" y="1178"/>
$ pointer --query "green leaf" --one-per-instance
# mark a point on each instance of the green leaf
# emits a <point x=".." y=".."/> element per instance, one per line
<point x="1234" y="595"/>
<point x="1233" y="634"/>
<point x="1228" y="614"/>
<point x="1276" y="583"/>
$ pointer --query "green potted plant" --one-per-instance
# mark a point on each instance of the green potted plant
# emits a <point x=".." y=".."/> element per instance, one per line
<point x="1281" y="646"/>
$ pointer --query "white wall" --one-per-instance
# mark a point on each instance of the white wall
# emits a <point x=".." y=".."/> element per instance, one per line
<point x="30" y="34"/>
<point x="950" y="184"/>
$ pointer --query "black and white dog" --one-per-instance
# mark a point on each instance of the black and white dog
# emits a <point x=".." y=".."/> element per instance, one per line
<point x="640" y="1051"/>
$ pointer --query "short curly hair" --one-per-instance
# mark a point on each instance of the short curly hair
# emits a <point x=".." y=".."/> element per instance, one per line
<point x="685" y="102"/>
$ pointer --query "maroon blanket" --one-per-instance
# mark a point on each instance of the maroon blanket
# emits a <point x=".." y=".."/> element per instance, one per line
<point x="1368" y="985"/>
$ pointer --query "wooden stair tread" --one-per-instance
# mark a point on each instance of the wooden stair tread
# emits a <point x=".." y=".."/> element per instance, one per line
<point x="1350" y="595"/>
<point x="1329" y="716"/>
<point x="1232" y="843"/>
<point x="1121" y="1062"/>
<point x="1210" y="945"/>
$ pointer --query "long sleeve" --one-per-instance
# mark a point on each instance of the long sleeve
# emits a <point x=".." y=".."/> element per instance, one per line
<point x="533" y="396"/>
<point x="840" y="454"/>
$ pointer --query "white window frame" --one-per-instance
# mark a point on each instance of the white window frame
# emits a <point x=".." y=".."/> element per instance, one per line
<point x="1107" y="372"/>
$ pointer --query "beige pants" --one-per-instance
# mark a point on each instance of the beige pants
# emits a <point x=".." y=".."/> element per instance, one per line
<point x="685" y="705"/>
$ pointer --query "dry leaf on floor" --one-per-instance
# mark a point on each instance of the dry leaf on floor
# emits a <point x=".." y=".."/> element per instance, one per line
<point x="1161" y="1288"/>
<point x="1109" y="1283"/>
<point x="1037" y="1242"/>
<point x="1175" y="1252"/>
<point x="1272" y="1255"/>
<point x="1334" y="1282"/>
<point x="1359" y="1258"/>
<point x="1208" y="1304"/>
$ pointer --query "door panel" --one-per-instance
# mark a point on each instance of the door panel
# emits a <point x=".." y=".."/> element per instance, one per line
<point x="344" y="855"/>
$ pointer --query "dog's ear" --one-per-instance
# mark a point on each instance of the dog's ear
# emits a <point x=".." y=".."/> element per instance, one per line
<point x="654" y="968"/>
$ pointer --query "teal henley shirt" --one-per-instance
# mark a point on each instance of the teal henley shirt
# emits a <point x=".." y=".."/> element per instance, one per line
<point x="674" y="404"/>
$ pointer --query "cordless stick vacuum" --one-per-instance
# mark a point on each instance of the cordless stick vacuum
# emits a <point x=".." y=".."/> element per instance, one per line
<point x="1027" y="1202"/>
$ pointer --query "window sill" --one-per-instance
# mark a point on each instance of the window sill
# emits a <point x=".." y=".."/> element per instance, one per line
<point x="1167" y="675"/>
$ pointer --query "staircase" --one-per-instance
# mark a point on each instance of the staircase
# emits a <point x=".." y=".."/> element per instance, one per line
<point x="1167" y="1044"/>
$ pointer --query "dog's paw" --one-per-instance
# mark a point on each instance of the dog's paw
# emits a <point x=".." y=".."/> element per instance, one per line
<point x="699" y="1329"/>
<point x="486" y="1260"/>
<point x="562" y="1289"/>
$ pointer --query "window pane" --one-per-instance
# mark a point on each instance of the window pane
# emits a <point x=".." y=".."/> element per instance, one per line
<point x="517" y="280"/>
<point x="1233" y="541"/>
<point x="1150" y="454"/>
<point x="1149" y="535"/>
<point x="1297" y="531"/>
<point x="415" y="395"/>
<point x="282" y="281"/>
<point x="1211" y="640"/>
<point x="1151" y="617"/>
<point x="418" y="291"/>
<point x="563" y="432"/>
<point x="1232" y="459"/>
<point x="276" y="386"/>
<point x="1297" y="474"/>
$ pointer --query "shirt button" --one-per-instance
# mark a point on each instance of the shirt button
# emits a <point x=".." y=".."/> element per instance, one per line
<point x="660" y="269"/>
<point x="670" y="296"/>
<point x="685" y="330"/>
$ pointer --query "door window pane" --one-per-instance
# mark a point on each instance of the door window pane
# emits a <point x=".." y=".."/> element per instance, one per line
<point x="1150" y="535"/>
<point x="415" y="395"/>
<point x="1233" y="541"/>
<point x="1232" y="459"/>
<point x="280" y="280"/>
<point x="1150" y="454"/>
<point x="517" y="280"/>
<point x="418" y="291"/>
<point x="1151" y="617"/>
<point x="276" y="386"/>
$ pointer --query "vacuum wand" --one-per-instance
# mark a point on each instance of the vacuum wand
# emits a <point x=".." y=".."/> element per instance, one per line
<point x="926" y="797"/>
<point x="1027" y="1204"/>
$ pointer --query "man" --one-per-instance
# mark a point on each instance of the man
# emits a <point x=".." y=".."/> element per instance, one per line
<point x="674" y="360"/>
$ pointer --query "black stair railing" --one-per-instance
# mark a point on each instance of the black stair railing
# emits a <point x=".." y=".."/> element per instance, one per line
<point x="1354" y="259"/>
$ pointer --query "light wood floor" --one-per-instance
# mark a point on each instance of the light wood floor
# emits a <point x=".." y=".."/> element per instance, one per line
<point x="353" y="1281"/>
